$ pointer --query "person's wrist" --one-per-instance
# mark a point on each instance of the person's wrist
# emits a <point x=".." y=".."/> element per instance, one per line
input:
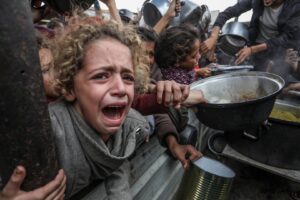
<point x="251" y="50"/>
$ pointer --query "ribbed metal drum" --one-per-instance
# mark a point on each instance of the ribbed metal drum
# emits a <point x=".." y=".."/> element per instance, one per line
<point x="207" y="179"/>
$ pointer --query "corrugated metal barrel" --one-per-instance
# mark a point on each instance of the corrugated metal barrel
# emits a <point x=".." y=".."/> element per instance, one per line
<point x="207" y="179"/>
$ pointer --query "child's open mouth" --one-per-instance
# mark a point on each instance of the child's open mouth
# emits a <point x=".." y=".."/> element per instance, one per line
<point x="113" y="112"/>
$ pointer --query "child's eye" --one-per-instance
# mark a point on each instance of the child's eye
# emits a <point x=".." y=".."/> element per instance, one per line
<point x="101" y="76"/>
<point x="128" y="77"/>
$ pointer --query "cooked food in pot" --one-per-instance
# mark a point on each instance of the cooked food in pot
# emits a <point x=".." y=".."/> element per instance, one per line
<point x="284" y="115"/>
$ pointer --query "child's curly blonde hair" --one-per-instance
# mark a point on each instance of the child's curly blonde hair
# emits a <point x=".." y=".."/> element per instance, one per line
<point x="71" y="50"/>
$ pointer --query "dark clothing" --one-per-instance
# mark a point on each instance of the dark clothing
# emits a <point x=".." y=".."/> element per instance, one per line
<point x="288" y="21"/>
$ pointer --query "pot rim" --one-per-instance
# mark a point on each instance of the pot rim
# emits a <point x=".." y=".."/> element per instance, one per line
<point x="276" y="78"/>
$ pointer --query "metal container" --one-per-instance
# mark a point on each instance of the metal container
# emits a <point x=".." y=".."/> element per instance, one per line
<point x="153" y="10"/>
<point x="238" y="100"/>
<point x="207" y="179"/>
<point x="222" y="69"/>
<point x="234" y="37"/>
<point x="278" y="145"/>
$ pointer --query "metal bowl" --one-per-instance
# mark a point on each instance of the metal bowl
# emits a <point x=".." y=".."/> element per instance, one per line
<point x="234" y="37"/>
<point x="153" y="10"/>
<point x="238" y="100"/>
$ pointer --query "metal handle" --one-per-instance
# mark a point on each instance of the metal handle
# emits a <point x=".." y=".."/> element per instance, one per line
<point x="294" y="93"/>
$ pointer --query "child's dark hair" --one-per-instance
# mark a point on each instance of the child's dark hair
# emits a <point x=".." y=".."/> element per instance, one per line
<point x="174" y="44"/>
<point x="146" y="34"/>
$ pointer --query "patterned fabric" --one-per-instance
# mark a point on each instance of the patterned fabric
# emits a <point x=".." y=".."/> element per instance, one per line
<point x="179" y="75"/>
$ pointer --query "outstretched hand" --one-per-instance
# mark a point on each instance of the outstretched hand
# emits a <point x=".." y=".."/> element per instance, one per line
<point x="184" y="153"/>
<point x="54" y="190"/>
<point x="170" y="93"/>
<point x="174" y="7"/>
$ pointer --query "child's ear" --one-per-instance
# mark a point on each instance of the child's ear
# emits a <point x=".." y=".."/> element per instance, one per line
<point x="70" y="96"/>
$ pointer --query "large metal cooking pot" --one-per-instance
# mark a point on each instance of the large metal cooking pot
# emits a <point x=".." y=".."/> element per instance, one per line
<point x="238" y="100"/>
<point x="234" y="37"/>
<point x="278" y="145"/>
<point x="153" y="10"/>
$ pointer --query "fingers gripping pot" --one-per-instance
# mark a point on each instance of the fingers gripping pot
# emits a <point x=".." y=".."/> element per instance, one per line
<point x="238" y="100"/>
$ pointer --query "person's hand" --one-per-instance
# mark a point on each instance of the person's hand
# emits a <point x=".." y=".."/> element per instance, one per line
<point x="174" y="7"/>
<point x="294" y="86"/>
<point x="107" y="2"/>
<point x="170" y="93"/>
<point x="243" y="54"/>
<point x="208" y="45"/>
<point x="211" y="56"/>
<point x="184" y="153"/>
<point x="54" y="190"/>
<point x="292" y="59"/>
<point x="195" y="97"/>
<point x="204" y="72"/>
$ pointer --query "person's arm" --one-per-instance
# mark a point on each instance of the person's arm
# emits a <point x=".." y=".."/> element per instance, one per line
<point x="294" y="86"/>
<point x="113" y="11"/>
<point x="230" y="12"/>
<point x="54" y="190"/>
<point x="164" y="126"/>
<point x="167" y="17"/>
<point x="248" y="51"/>
<point x="184" y="153"/>
<point x="195" y="97"/>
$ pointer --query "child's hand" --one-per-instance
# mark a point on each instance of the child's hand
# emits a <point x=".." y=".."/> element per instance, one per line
<point x="184" y="153"/>
<point x="170" y="93"/>
<point x="204" y="72"/>
<point x="54" y="190"/>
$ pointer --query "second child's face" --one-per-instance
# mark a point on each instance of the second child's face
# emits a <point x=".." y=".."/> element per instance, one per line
<point x="149" y="50"/>
<point x="104" y="87"/>
<point x="192" y="59"/>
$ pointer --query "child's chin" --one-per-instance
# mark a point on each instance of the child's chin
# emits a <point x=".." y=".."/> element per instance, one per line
<point x="112" y="130"/>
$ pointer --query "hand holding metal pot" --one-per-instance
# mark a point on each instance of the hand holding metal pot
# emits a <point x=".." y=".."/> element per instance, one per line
<point x="211" y="42"/>
<point x="243" y="54"/>
<point x="204" y="72"/>
<point x="195" y="97"/>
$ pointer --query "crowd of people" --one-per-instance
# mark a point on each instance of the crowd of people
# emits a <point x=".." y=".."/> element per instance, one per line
<point x="111" y="84"/>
